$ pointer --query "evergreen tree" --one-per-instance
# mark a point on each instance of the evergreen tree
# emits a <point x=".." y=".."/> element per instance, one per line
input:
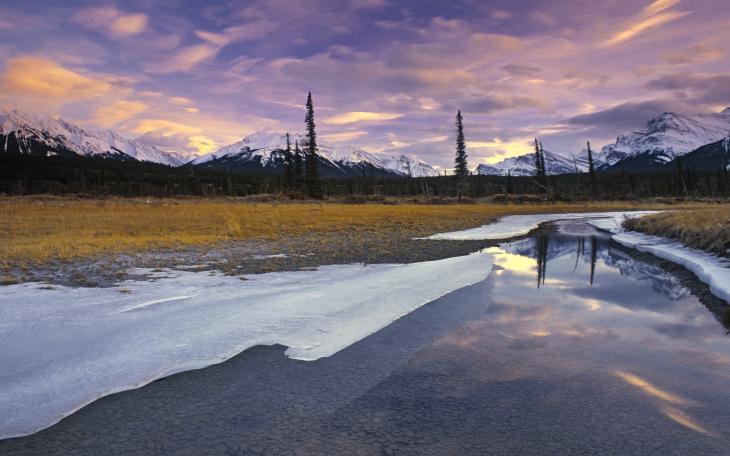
<point x="591" y="170"/>
<point x="460" y="168"/>
<point x="314" y="185"/>
<point x="543" y="168"/>
<point x="539" y="165"/>
<point x="288" y="164"/>
<point x="298" y="164"/>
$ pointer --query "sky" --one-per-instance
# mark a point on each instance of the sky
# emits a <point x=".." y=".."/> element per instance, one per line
<point x="386" y="75"/>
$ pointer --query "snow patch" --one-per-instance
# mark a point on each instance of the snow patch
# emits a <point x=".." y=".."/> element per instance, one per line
<point x="71" y="346"/>
<point x="710" y="269"/>
<point x="267" y="257"/>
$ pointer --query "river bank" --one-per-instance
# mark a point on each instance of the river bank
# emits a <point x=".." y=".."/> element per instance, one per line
<point x="96" y="242"/>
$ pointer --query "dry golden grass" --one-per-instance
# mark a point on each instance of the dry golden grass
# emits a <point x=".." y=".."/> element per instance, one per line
<point x="707" y="229"/>
<point x="39" y="229"/>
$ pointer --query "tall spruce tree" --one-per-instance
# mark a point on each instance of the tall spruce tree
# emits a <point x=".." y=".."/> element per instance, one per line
<point x="460" y="169"/>
<point x="314" y="185"/>
<point x="543" y="168"/>
<point x="540" y="176"/>
<point x="288" y="164"/>
<point x="298" y="164"/>
<point x="538" y="162"/>
<point x="591" y="169"/>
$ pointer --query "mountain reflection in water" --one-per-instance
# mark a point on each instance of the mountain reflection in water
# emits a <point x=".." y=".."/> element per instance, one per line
<point x="588" y="251"/>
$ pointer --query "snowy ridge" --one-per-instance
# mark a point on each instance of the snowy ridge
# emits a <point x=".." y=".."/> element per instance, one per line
<point x="80" y="344"/>
<point x="60" y="134"/>
<point x="265" y="145"/>
<point x="667" y="137"/>
<point x="524" y="165"/>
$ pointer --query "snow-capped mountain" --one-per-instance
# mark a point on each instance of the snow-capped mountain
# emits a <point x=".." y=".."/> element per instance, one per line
<point x="265" y="150"/>
<point x="524" y="165"/>
<point x="665" y="138"/>
<point x="37" y="134"/>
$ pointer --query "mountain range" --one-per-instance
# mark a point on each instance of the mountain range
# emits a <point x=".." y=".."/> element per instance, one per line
<point x="37" y="134"/>
<point x="666" y="138"/>
<point x="265" y="151"/>
<point x="700" y="140"/>
<point x="524" y="165"/>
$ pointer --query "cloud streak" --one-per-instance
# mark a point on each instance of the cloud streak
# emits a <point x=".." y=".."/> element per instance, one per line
<point x="653" y="16"/>
<point x="360" y="116"/>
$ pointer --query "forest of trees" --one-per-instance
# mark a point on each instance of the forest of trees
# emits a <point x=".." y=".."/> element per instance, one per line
<point x="25" y="174"/>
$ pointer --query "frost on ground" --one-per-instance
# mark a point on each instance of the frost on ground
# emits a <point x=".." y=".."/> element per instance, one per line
<point x="519" y="225"/>
<point x="72" y="346"/>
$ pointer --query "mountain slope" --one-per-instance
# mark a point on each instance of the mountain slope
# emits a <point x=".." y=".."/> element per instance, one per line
<point x="710" y="157"/>
<point x="665" y="138"/>
<point x="37" y="134"/>
<point x="263" y="151"/>
<point x="524" y="165"/>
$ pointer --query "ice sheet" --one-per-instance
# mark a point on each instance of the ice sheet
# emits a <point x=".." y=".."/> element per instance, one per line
<point x="65" y="347"/>
<point x="520" y="225"/>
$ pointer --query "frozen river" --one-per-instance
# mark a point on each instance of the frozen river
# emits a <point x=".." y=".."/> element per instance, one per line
<point x="570" y="346"/>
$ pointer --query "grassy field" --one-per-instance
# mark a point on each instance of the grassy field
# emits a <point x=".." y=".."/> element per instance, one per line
<point x="36" y="230"/>
<point x="707" y="229"/>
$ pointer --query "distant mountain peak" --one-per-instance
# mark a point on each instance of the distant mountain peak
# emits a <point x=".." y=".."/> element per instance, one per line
<point x="666" y="137"/>
<point x="33" y="133"/>
<point x="524" y="165"/>
<point x="262" y="148"/>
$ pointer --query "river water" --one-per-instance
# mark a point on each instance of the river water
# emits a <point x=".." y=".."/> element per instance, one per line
<point x="571" y="346"/>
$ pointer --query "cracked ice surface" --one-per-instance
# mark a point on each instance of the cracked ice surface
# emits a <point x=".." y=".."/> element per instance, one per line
<point x="66" y="347"/>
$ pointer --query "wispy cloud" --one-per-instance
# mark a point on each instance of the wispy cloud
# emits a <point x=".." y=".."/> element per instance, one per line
<point x="698" y="53"/>
<point x="112" y="114"/>
<point x="113" y="22"/>
<point x="360" y="116"/>
<point x="344" y="136"/>
<point x="43" y="78"/>
<point x="185" y="59"/>
<point x="654" y="15"/>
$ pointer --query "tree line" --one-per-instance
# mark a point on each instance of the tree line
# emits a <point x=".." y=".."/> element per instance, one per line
<point x="300" y="177"/>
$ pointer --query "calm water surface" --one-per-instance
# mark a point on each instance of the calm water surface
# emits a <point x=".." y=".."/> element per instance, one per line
<point x="570" y="347"/>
